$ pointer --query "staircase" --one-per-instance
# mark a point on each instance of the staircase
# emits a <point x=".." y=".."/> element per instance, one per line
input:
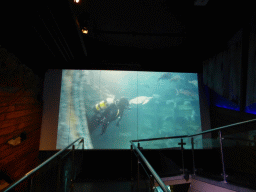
<point x="71" y="170"/>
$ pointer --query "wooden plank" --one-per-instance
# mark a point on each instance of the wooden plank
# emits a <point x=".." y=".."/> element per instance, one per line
<point x="11" y="122"/>
<point x="24" y="162"/>
<point x="12" y="91"/>
<point x="2" y="116"/>
<point x="19" y="167"/>
<point x="8" y="91"/>
<point x="16" y="114"/>
<point x="7" y="149"/>
<point x="18" y="94"/>
<point x="19" y="101"/>
<point x="4" y="99"/>
<point x="14" y="131"/>
<point x="27" y="106"/>
<point x="7" y="109"/>
<point x="19" y="107"/>
<point x="12" y="153"/>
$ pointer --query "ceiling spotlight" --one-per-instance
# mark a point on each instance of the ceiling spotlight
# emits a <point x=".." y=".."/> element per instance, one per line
<point x="76" y="1"/>
<point x="85" y="30"/>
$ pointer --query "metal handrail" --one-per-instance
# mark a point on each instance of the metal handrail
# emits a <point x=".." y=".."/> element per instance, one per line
<point x="158" y="179"/>
<point x="41" y="165"/>
<point x="203" y="132"/>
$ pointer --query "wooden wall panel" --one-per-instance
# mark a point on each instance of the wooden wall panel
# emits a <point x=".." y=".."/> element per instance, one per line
<point x="10" y="122"/>
<point x="16" y="131"/>
<point x="20" y="112"/>
<point x="25" y="159"/>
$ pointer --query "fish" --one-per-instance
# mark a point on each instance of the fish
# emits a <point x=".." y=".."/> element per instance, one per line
<point x="186" y="92"/>
<point x="165" y="76"/>
<point x="140" y="100"/>
<point x="176" y="78"/>
<point x="194" y="82"/>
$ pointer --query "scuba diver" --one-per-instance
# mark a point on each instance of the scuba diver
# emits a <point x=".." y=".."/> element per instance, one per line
<point x="107" y="111"/>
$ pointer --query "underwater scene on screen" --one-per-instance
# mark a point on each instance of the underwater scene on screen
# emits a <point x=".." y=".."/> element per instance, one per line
<point x="111" y="108"/>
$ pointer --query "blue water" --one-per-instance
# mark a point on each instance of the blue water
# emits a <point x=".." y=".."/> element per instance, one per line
<point x="172" y="110"/>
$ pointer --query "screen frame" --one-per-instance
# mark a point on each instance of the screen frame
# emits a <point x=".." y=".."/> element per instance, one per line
<point x="51" y="101"/>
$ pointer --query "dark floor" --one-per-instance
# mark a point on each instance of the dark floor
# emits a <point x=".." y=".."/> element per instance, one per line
<point x="118" y="185"/>
<point x="109" y="186"/>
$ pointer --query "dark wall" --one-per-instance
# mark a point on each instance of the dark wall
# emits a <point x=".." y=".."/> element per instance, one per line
<point x="230" y="77"/>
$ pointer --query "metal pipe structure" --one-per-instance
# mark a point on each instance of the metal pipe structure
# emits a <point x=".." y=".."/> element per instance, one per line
<point x="30" y="173"/>
<point x="158" y="179"/>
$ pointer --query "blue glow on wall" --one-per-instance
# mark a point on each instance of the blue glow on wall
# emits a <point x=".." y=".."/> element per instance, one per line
<point x="222" y="102"/>
<point x="228" y="107"/>
<point x="251" y="109"/>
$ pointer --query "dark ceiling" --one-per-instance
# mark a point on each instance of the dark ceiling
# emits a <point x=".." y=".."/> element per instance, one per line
<point x="163" y="34"/>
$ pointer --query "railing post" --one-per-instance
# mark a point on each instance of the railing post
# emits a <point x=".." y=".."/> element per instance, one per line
<point x="193" y="156"/>
<point x="183" y="169"/>
<point x="138" y="179"/>
<point x="222" y="158"/>
<point x="131" y="170"/>
<point x="72" y="168"/>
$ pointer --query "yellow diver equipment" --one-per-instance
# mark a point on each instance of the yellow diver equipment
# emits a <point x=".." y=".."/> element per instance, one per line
<point x="103" y="104"/>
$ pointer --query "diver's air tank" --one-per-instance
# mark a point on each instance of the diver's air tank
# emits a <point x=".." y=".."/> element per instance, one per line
<point x="103" y="104"/>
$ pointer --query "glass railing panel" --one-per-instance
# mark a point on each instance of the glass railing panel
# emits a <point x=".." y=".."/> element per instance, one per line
<point x="207" y="159"/>
<point x="198" y="142"/>
<point x="60" y="172"/>
<point x="54" y="174"/>
<point x="161" y="144"/>
<point x="240" y="159"/>
<point x="147" y="170"/>
<point x="166" y="156"/>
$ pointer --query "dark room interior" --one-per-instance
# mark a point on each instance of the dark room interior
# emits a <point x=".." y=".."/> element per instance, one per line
<point x="213" y="39"/>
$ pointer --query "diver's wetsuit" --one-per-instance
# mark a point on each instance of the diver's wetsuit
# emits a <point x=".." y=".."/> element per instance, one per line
<point x="110" y="114"/>
<point x="113" y="112"/>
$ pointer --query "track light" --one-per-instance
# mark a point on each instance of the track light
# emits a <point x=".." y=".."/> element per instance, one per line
<point x="85" y="30"/>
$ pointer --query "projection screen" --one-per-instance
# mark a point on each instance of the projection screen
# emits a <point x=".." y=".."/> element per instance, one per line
<point x="110" y="108"/>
